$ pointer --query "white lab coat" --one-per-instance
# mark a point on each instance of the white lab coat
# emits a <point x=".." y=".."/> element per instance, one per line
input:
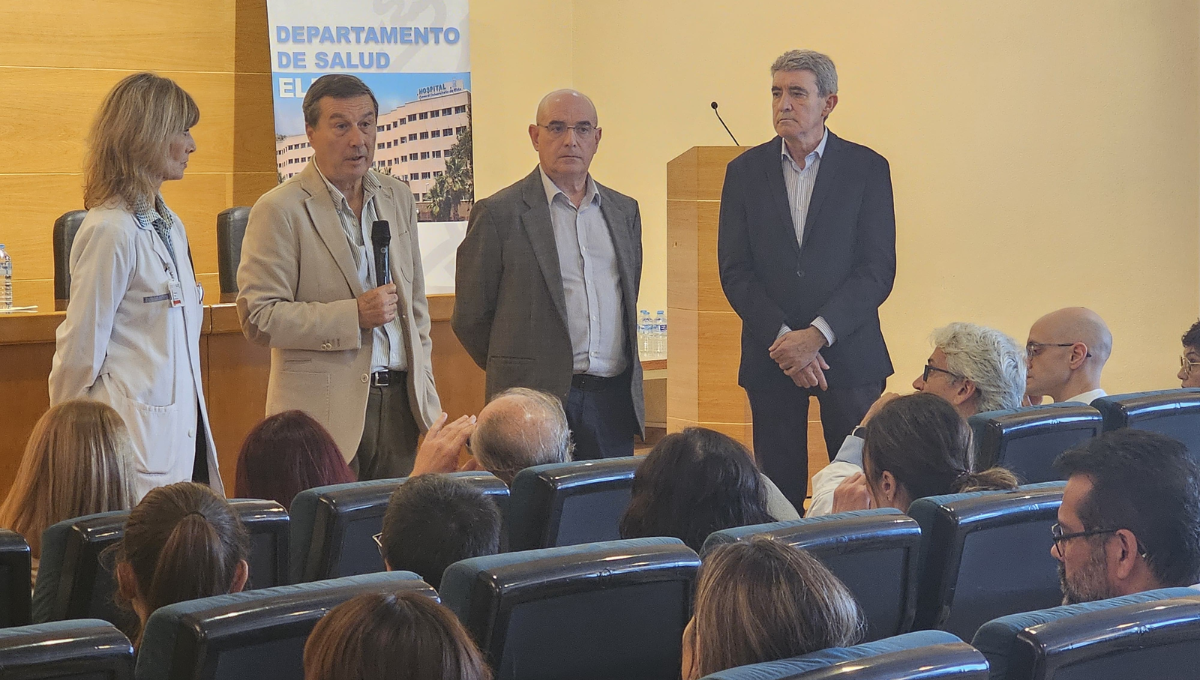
<point x="123" y="343"/>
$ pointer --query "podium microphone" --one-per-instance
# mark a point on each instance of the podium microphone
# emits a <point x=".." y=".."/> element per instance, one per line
<point x="735" y="141"/>
<point x="381" y="236"/>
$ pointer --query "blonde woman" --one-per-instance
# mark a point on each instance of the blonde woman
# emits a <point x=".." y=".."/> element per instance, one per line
<point x="79" y="461"/>
<point x="132" y="334"/>
<point x="762" y="600"/>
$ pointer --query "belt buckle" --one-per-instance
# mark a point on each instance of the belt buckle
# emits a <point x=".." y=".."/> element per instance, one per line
<point x="380" y="379"/>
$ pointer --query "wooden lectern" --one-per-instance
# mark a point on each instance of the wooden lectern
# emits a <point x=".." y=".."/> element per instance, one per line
<point x="705" y="339"/>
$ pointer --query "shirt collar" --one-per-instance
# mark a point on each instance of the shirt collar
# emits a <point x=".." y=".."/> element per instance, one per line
<point x="1089" y="396"/>
<point x="552" y="190"/>
<point x="370" y="186"/>
<point x="819" y="151"/>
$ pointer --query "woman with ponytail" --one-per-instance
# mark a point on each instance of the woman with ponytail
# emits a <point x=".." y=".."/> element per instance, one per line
<point x="914" y="446"/>
<point x="182" y="542"/>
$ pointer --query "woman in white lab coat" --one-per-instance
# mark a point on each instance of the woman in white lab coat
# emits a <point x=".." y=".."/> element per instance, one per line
<point x="132" y="334"/>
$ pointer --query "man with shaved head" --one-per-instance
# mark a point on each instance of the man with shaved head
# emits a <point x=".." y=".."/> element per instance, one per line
<point x="1065" y="353"/>
<point x="547" y="284"/>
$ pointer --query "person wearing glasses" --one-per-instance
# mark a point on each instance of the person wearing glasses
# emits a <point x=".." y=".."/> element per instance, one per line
<point x="974" y="368"/>
<point x="1065" y="354"/>
<point x="1189" y="363"/>
<point x="547" y="284"/>
<point x="1130" y="516"/>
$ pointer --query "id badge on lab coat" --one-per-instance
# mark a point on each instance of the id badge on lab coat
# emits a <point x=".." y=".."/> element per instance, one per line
<point x="176" y="293"/>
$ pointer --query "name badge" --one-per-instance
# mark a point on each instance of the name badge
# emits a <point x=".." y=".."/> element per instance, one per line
<point x="176" y="293"/>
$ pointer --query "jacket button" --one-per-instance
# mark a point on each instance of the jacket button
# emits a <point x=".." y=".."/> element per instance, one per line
<point x="327" y="346"/>
<point x="365" y="377"/>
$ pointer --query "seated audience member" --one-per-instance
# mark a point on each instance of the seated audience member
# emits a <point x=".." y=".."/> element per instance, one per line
<point x="1130" y="516"/>
<point x="392" y="636"/>
<point x="182" y="542"/>
<point x="79" y="461"/>
<point x="1189" y="376"/>
<point x="433" y="521"/>
<point x="286" y="454"/>
<point x="761" y="600"/>
<point x="973" y="368"/>
<point x="695" y="482"/>
<point x="914" y="446"/>
<point x="1065" y="354"/>
<point x="518" y="428"/>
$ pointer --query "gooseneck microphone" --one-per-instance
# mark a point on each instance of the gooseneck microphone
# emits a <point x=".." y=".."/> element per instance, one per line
<point x="735" y="141"/>
<point x="381" y="236"/>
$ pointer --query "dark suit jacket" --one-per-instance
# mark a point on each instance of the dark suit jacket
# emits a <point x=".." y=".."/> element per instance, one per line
<point x="510" y="311"/>
<point x="843" y="271"/>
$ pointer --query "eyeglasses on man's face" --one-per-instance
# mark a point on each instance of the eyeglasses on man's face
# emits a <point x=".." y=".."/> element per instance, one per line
<point x="1033" y="349"/>
<point x="930" y="368"/>
<point x="582" y="130"/>
<point x="378" y="538"/>
<point x="1187" y="366"/>
<point x="1056" y="531"/>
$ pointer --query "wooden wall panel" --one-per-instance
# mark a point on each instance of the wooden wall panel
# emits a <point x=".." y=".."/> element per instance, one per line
<point x="24" y="397"/>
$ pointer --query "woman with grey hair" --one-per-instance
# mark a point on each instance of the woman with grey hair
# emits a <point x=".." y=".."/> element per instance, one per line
<point x="131" y="338"/>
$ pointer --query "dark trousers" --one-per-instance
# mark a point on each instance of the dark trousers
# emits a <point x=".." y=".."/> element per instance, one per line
<point x="200" y="464"/>
<point x="388" y="447"/>
<point x="600" y="415"/>
<point x="781" y="429"/>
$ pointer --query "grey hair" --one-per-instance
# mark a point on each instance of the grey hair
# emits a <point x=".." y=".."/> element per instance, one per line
<point x="988" y="358"/>
<point x="807" y="60"/>
<point x="530" y="430"/>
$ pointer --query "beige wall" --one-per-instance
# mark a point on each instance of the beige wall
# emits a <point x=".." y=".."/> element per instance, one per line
<point x="1043" y="154"/>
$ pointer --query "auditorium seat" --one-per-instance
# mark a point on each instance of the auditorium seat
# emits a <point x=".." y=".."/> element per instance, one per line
<point x="1027" y="440"/>
<point x="75" y="577"/>
<point x="231" y="227"/>
<point x="85" y="649"/>
<point x="333" y="526"/>
<point x="257" y="634"/>
<point x="924" y="655"/>
<point x="874" y="552"/>
<point x="569" y="503"/>
<point x="1153" y="634"/>
<point x="1175" y="413"/>
<point x="587" y="612"/>
<point x="984" y="555"/>
<point x="65" y="228"/>
<point x="15" y="565"/>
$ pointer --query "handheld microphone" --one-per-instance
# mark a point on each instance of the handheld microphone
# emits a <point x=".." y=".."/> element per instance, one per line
<point x="735" y="141"/>
<point x="381" y="236"/>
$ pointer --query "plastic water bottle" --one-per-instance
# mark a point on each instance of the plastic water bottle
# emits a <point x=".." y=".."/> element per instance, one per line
<point x="6" y="271"/>
<point x="660" y="335"/>
<point x="644" y="331"/>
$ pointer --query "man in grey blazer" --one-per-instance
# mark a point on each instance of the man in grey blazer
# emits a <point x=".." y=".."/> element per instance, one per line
<point x="353" y="355"/>
<point x="547" y="284"/>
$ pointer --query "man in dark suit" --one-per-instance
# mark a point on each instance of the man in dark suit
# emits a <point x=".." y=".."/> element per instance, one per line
<point x="547" y="284"/>
<point x="807" y="250"/>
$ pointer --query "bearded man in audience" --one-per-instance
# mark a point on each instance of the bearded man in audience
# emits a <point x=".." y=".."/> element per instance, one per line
<point x="1065" y="354"/>
<point x="1130" y="516"/>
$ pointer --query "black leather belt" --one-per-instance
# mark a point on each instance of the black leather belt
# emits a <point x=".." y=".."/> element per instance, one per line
<point x="386" y="378"/>
<point x="592" y="383"/>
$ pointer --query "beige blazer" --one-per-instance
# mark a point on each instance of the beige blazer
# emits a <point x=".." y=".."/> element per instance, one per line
<point x="298" y="285"/>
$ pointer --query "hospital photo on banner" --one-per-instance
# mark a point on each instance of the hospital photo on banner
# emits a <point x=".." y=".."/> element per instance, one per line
<point x="415" y="58"/>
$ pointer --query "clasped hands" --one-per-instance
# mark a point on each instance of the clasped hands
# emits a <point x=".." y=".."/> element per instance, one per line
<point x="798" y="354"/>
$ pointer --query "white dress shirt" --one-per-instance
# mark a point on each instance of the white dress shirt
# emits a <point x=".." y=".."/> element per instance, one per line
<point x="587" y="261"/>
<point x="1088" y="397"/>
<point x="800" y="182"/>
<point x="387" y="349"/>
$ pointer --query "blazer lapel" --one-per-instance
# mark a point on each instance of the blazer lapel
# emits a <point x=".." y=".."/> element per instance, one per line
<point x="778" y="190"/>
<point x="622" y="243"/>
<point x="536" y="221"/>
<point x="826" y="179"/>
<point x="329" y="226"/>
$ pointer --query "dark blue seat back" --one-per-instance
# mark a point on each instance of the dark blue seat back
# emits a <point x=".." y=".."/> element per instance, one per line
<point x="84" y="649"/>
<point x="569" y="503"/>
<point x="332" y="526"/>
<point x="1027" y="440"/>
<point x="75" y="578"/>
<point x="874" y="552"/>
<point x="15" y="564"/>
<point x="986" y="554"/>
<point x="1153" y="634"/>
<point x="252" y="635"/>
<point x="924" y="655"/>
<point x="588" y="612"/>
<point x="65" y="228"/>
<point x="1175" y="413"/>
<point x="231" y="228"/>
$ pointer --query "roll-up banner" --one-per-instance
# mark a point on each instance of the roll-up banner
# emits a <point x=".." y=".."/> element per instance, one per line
<point x="414" y="56"/>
